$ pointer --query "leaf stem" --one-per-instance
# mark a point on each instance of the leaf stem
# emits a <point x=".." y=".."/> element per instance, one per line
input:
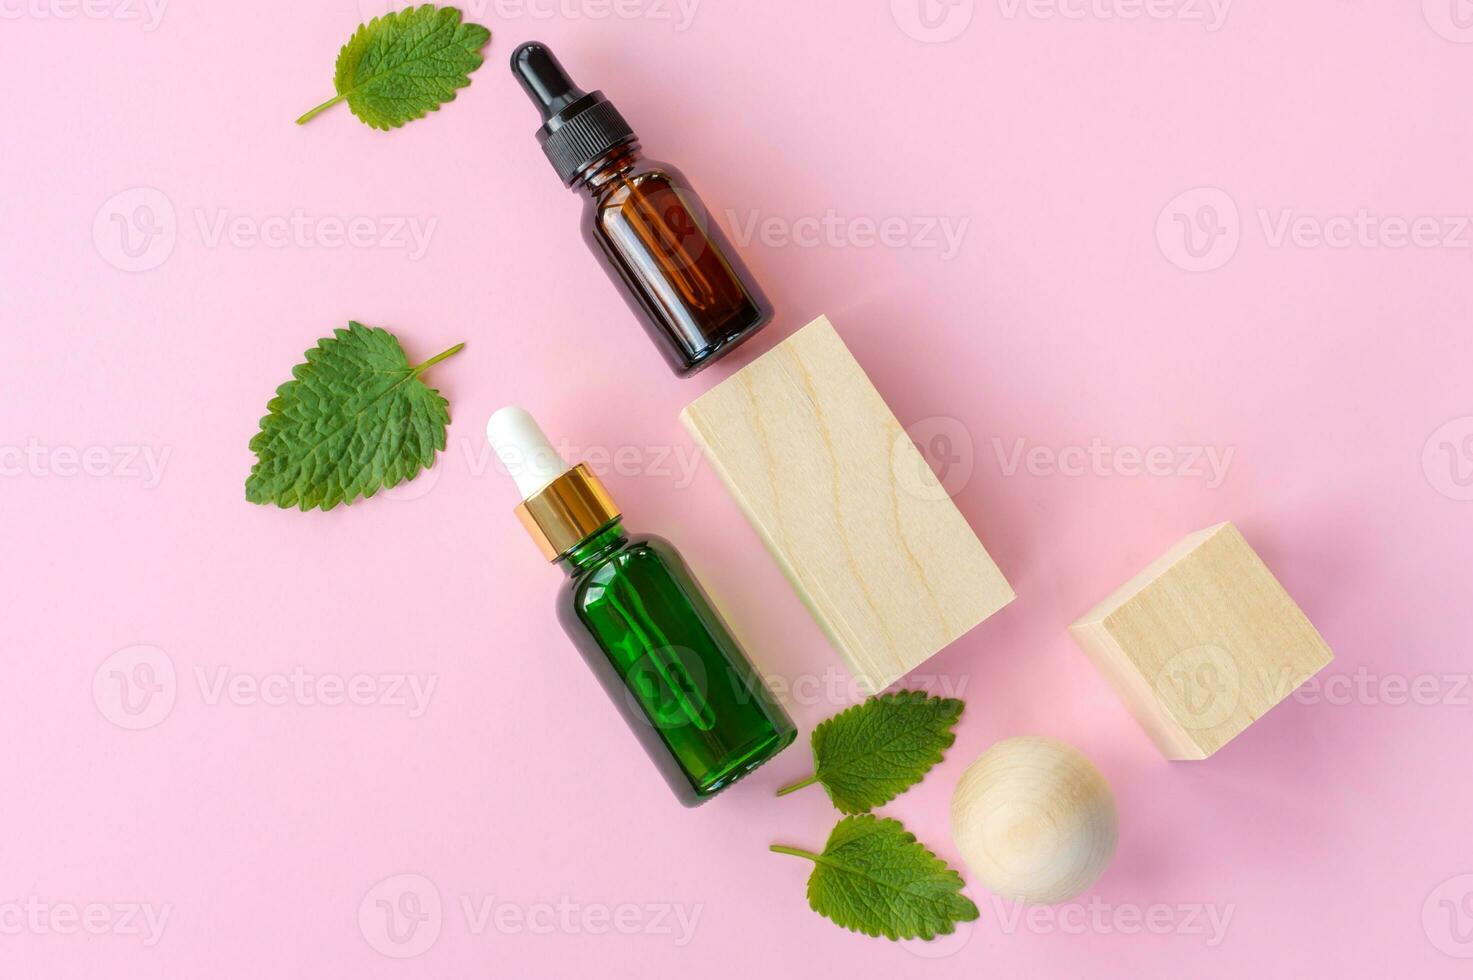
<point x="795" y="851"/>
<point x="421" y="368"/>
<point x="310" y="113"/>
<point x="793" y="787"/>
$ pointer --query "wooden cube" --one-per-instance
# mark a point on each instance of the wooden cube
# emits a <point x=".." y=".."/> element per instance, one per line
<point x="1202" y="643"/>
<point x="817" y="461"/>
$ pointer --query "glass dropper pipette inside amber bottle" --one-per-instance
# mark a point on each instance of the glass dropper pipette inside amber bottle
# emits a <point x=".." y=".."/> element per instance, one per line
<point x="644" y="223"/>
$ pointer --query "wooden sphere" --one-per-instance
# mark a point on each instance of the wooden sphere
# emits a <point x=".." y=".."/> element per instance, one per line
<point x="1034" y="820"/>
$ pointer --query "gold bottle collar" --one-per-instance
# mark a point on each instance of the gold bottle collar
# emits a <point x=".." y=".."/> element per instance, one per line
<point x="566" y="511"/>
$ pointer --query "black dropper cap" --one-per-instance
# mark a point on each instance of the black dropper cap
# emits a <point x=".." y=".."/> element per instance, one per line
<point x="578" y="127"/>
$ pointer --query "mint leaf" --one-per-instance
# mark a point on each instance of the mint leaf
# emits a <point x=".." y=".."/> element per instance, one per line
<point x="355" y="417"/>
<point x="873" y="877"/>
<point x="867" y="755"/>
<point x="404" y="64"/>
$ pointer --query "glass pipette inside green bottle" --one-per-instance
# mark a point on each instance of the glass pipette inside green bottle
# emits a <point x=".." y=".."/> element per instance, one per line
<point x="643" y="624"/>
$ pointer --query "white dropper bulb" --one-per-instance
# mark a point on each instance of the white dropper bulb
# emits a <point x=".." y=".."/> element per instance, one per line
<point x="524" y="450"/>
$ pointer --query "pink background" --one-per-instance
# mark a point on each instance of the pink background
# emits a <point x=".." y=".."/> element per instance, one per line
<point x="1333" y="834"/>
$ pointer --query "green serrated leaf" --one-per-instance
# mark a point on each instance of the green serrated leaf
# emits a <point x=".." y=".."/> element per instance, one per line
<point x="354" y="418"/>
<point x="405" y="64"/>
<point x="874" y="877"/>
<point x="867" y="755"/>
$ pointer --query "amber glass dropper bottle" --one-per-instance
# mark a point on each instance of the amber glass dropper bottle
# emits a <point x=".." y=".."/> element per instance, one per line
<point x="644" y="223"/>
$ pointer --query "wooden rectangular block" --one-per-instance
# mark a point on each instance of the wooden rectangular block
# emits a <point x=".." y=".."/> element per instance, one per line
<point x="816" y="460"/>
<point x="1202" y="643"/>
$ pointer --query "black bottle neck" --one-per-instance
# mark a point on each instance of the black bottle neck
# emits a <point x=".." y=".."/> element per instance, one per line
<point x="608" y="169"/>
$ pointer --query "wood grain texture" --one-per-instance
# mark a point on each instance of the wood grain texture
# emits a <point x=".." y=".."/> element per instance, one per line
<point x="1034" y="820"/>
<point x="832" y="482"/>
<point x="1202" y="643"/>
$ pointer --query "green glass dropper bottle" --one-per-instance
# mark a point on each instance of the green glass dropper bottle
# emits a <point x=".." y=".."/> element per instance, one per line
<point x="644" y="625"/>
